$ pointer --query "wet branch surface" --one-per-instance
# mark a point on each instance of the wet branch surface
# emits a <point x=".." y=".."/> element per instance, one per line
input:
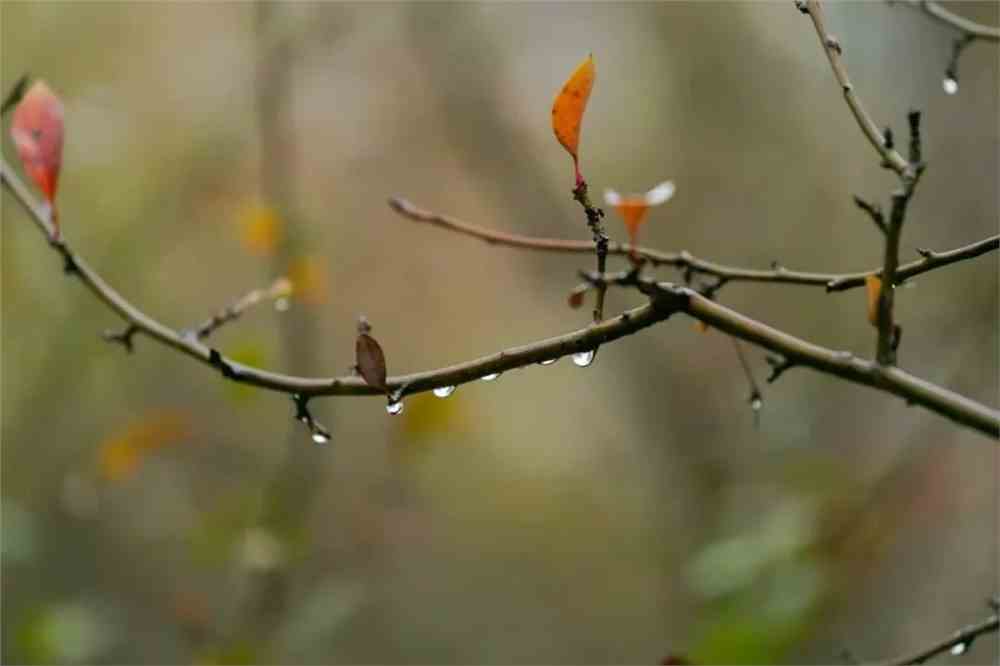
<point x="665" y="300"/>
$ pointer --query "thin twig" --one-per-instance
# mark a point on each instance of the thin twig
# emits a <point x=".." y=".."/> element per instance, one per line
<point x="891" y="159"/>
<point x="601" y="241"/>
<point x="686" y="261"/>
<point x="963" y="637"/>
<point x="666" y="300"/>
<point x="280" y="288"/>
<point x="968" y="27"/>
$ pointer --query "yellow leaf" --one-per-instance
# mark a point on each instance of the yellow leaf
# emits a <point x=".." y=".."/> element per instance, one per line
<point x="261" y="229"/>
<point x="309" y="280"/>
<point x="874" y="287"/>
<point x="568" y="108"/>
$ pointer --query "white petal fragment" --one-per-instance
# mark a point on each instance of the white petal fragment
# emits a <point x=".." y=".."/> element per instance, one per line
<point x="659" y="194"/>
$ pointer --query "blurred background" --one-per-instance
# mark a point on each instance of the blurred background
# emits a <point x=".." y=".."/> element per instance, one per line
<point x="153" y="513"/>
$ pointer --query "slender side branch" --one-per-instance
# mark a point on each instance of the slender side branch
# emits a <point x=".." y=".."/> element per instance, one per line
<point x="665" y="300"/>
<point x="280" y="288"/>
<point x="968" y="27"/>
<point x="961" y="640"/>
<point x="891" y="159"/>
<point x="685" y="261"/>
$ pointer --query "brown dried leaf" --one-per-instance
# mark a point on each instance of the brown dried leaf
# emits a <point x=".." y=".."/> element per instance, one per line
<point x="370" y="361"/>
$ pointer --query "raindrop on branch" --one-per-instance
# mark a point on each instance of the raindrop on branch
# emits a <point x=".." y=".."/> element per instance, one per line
<point x="548" y="361"/>
<point x="444" y="391"/>
<point x="756" y="404"/>
<point x="320" y="437"/>
<point x="959" y="648"/>
<point x="395" y="408"/>
<point x="950" y="85"/>
<point x="490" y="377"/>
<point x="584" y="358"/>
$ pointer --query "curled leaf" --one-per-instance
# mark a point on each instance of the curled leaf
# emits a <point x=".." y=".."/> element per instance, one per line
<point x="369" y="358"/>
<point x="873" y="285"/>
<point x="575" y="299"/>
<point x="37" y="131"/>
<point x="633" y="207"/>
<point x="568" y="108"/>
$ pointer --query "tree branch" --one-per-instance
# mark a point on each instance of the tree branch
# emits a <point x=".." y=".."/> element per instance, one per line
<point x="684" y="260"/>
<point x="960" y="641"/>
<point x="280" y="288"/>
<point x="665" y="300"/>
<point x="891" y="159"/>
<point x="969" y="28"/>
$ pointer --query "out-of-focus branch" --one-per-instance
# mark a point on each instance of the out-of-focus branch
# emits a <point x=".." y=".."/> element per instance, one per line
<point x="280" y="288"/>
<point x="891" y="159"/>
<point x="956" y="643"/>
<point x="940" y="13"/>
<point x="684" y="260"/>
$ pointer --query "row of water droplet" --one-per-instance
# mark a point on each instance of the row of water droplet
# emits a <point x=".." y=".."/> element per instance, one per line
<point x="580" y="359"/>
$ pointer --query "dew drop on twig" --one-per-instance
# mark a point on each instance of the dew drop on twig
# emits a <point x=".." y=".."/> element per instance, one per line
<point x="444" y="391"/>
<point x="490" y="377"/>
<point x="395" y="408"/>
<point x="320" y="438"/>
<point x="549" y="361"/>
<point x="950" y="85"/>
<point x="959" y="648"/>
<point x="584" y="358"/>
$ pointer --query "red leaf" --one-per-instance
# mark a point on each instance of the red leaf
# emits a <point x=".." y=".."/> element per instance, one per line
<point x="37" y="130"/>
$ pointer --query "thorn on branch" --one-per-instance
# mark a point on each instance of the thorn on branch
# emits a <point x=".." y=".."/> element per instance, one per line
<point x="887" y="139"/>
<point x="778" y="365"/>
<point x="874" y="212"/>
<point x="123" y="337"/>
<point x="916" y="151"/>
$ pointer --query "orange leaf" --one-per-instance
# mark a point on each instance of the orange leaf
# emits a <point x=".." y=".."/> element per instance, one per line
<point x="121" y="455"/>
<point x="874" y="287"/>
<point x="261" y="230"/>
<point x="37" y="131"/>
<point x="633" y="207"/>
<point x="568" y="108"/>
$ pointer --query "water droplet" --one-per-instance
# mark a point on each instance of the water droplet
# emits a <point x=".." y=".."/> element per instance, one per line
<point x="584" y="358"/>
<point x="959" y="648"/>
<point x="281" y="304"/>
<point x="950" y="85"/>
<point x="548" y="361"/>
<point x="320" y="437"/>
<point x="444" y="391"/>
<point x="395" y="408"/>
<point x="490" y="377"/>
<point x="756" y="404"/>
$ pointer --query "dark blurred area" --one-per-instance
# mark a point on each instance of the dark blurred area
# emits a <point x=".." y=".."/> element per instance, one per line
<point x="153" y="513"/>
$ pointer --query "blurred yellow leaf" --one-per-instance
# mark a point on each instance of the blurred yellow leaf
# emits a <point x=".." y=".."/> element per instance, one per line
<point x="120" y="455"/>
<point x="309" y="280"/>
<point x="568" y="108"/>
<point x="260" y="229"/>
<point x="873" y="286"/>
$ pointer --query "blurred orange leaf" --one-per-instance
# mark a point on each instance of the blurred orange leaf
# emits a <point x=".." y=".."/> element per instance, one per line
<point x="260" y="229"/>
<point x="37" y="131"/>
<point x="568" y="108"/>
<point x="309" y="280"/>
<point x="873" y="286"/>
<point x="121" y="455"/>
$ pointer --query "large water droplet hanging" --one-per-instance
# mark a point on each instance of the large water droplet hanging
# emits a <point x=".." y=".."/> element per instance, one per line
<point x="444" y="391"/>
<point x="950" y="85"/>
<point x="320" y="437"/>
<point x="959" y="648"/>
<point x="281" y="304"/>
<point x="756" y="404"/>
<point x="490" y="377"/>
<point x="584" y="358"/>
<point x="549" y="361"/>
<point x="395" y="408"/>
